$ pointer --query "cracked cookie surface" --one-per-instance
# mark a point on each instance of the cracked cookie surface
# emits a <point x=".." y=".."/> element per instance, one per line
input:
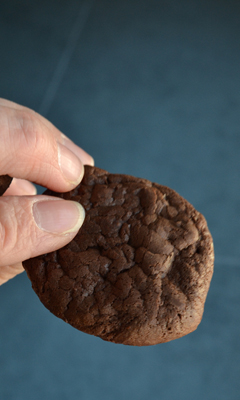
<point x="139" y="269"/>
<point x="5" y="181"/>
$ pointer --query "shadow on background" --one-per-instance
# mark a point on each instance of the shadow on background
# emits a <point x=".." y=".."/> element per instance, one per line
<point x="152" y="89"/>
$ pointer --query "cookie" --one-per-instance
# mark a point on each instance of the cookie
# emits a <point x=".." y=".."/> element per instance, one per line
<point x="139" y="269"/>
<point x="5" y="182"/>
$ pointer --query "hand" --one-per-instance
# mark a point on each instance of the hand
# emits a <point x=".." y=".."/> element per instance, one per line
<point x="33" y="150"/>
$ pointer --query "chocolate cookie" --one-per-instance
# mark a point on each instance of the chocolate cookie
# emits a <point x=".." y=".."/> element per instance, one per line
<point x="5" y="182"/>
<point x="139" y="269"/>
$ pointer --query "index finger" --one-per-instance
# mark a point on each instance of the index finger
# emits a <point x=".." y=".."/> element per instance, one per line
<point x="86" y="158"/>
<point x="32" y="148"/>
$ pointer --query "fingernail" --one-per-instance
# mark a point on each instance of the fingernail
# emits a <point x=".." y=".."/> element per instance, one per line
<point x="80" y="153"/>
<point x="58" y="216"/>
<point x="70" y="164"/>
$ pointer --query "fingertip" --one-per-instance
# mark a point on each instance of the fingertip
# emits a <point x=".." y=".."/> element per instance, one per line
<point x="78" y="151"/>
<point x="21" y="187"/>
<point x="10" y="271"/>
<point x="91" y="161"/>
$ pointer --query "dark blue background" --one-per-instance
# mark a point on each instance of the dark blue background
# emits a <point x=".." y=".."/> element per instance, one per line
<point x="149" y="88"/>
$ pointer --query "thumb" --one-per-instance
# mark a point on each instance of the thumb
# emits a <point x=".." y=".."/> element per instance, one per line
<point x="34" y="225"/>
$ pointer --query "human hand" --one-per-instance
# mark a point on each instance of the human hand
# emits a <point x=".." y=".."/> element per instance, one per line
<point x="33" y="150"/>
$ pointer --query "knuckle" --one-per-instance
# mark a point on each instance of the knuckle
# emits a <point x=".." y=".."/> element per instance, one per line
<point x="31" y="131"/>
<point x="27" y="142"/>
<point x="14" y="229"/>
<point x="8" y="231"/>
<point x="25" y="132"/>
<point x="21" y="131"/>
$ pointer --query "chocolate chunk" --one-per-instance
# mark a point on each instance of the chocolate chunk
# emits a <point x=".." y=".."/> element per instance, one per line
<point x="139" y="269"/>
<point x="5" y="182"/>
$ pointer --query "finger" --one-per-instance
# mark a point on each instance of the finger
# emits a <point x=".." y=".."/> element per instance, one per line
<point x="20" y="187"/>
<point x="29" y="150"/>
<point x="10" y="104"/>
<point x="78" y="151"/>
<point x="84" y="157"/>
<point x="34" y="225"/>
<point x="10" y="272"/>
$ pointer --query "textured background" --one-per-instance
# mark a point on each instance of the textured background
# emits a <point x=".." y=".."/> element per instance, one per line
<point x="149" y="88"/>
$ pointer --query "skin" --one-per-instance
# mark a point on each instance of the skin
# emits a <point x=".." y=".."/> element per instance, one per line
<point x="29" y="151"/>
